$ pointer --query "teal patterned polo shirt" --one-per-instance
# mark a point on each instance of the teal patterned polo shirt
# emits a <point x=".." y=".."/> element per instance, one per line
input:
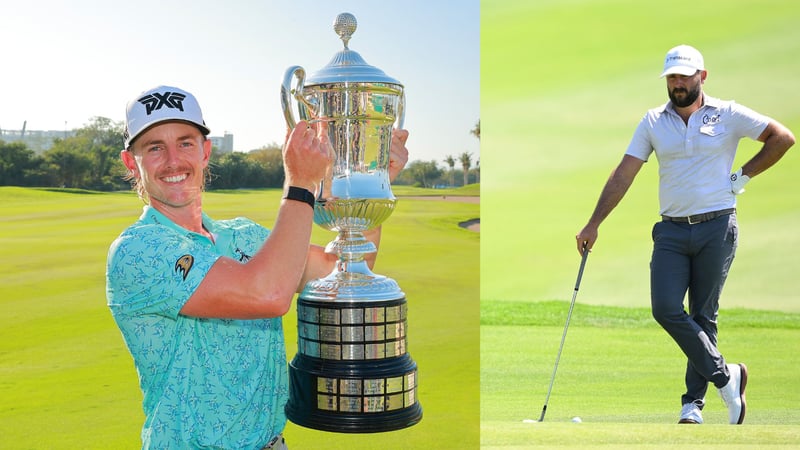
<point x="207" y="383"/>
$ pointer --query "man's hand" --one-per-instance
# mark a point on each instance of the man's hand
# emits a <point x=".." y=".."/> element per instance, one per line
<point x="307" y="154"/>
<point x="586" y="238"/>
<point x="738" y="180"/>
<point x="398" y="153"/>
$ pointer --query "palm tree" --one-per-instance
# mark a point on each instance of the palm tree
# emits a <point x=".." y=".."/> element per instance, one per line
<point x="477" y="133"/>
<point x="450" y="161"/>
<point x="466" y="162"/>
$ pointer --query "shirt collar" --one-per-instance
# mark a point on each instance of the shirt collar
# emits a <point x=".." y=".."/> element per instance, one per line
<point x="151" y="215"/>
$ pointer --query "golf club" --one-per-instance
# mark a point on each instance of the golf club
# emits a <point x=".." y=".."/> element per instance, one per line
<point x="566" y="325"/>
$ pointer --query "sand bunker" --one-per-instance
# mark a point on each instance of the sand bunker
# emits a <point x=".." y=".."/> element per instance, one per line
<point x="472" y="224"/>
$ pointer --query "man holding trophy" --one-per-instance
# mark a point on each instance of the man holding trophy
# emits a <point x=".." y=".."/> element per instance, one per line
<point x="199" y="301"/>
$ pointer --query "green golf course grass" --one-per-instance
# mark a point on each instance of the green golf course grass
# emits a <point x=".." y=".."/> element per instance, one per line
<point x="67" y="381"/>
<point x="623" y="376"/>
<point x="563" y="86"/>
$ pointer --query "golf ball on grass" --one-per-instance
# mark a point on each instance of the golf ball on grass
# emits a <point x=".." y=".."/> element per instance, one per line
<point x="577" y="419"/>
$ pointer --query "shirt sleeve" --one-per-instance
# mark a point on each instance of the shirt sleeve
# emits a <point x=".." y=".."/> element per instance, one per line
<point x="154" y="270"/>
<point x="640" y="145"/>
<point x="748" y="122"/>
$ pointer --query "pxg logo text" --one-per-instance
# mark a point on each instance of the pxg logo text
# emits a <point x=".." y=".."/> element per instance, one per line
<point x="156" y="101"/>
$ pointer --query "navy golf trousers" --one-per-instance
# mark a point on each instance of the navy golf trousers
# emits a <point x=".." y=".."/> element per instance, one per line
<point x="694" y="258"/>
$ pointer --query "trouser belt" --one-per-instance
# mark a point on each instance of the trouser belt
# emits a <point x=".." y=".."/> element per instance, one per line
<point x="699" y="218"/>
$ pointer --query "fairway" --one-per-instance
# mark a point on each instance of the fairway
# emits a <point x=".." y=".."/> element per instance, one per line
<point x="563" y="86"/>
<point x="622" y="375"/>
<point x="67" y="381"/>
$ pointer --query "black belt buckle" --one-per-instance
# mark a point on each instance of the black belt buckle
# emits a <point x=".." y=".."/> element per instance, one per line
<point x="698" y="218"/>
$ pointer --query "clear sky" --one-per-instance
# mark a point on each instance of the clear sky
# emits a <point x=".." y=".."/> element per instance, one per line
<point x="64" y="62"/>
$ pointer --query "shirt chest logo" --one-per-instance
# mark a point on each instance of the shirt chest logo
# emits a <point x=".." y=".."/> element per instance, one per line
<point x="183" y="265"/>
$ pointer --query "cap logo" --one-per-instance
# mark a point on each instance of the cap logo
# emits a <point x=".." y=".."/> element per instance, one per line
<point x="156" y="101"/>
<point x="680" y="58"/>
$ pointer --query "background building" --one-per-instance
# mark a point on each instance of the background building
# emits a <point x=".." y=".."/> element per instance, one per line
<point x="36" y="140"/>
<point x="222" y="144"/>
<point x="42" y="140"/>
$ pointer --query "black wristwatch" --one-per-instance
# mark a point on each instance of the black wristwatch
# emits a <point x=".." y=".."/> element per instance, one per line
<point x="300" y="195"/>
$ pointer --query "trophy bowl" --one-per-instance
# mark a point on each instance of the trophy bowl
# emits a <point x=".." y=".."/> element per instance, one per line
<point x="352" y="372"/>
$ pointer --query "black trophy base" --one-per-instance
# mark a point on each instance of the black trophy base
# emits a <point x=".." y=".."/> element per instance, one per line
<point x="353" y="397"/>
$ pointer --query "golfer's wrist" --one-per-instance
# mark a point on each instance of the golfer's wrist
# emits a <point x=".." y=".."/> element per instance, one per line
<point x="299" y="194"/>
<point x="738" y="181"/>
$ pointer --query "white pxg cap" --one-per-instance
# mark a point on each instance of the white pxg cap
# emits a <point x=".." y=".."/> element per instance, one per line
<point x="683" y="60"/>
<point x="158" y="105"/>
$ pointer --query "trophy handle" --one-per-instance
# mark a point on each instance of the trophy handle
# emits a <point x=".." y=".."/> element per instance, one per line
<point x="287" y="93"/>
<point x="401" y="110"/>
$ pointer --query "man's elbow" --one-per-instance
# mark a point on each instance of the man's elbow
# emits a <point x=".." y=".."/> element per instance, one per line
<point x="283" y="307"/>
<point x="789" y="139"/>
<point x="781" y="136"/>
<point x="277" y="304"/>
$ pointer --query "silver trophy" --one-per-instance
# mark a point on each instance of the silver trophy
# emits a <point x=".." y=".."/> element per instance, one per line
<point x="352" y="372"/>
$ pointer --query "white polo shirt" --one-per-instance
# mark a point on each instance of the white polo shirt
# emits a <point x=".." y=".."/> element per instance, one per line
<point x="695" y="159"/>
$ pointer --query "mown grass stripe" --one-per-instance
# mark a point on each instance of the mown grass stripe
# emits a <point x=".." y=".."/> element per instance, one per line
<point x="552" y="313"/>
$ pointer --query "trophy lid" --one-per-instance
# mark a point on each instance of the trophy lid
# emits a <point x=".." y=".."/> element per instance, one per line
<point x="347" y="66"/>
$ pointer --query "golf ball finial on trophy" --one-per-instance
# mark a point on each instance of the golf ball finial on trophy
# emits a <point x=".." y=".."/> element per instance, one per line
<point x="352" y="372"/>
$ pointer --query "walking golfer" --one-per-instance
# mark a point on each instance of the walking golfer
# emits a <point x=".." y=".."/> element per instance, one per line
<point x="199" y="301"/>
<point x="694" y="137"/>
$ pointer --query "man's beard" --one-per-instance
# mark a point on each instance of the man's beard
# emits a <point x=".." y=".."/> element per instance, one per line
<point x="688" y="99"/>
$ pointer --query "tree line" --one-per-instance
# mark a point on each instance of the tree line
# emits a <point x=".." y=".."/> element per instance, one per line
<point x="428" y="174"/>
<point x="90" y="160"/>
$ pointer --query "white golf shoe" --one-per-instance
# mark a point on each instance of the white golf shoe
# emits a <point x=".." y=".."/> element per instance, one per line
<point x="690" y="413"/>
<point x="733" y="393"/>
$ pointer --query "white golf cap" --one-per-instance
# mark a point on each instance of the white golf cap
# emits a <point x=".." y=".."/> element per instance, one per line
<point x="161" y="104"/>
<point x="683" y="60"/>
